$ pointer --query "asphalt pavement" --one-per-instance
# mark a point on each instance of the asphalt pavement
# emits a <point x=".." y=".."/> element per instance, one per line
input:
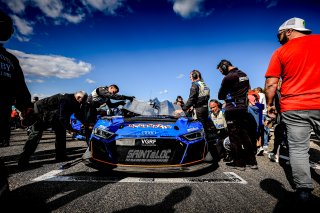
<point x="71" y="186"/>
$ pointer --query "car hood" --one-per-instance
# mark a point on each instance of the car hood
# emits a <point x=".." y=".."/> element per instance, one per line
<point x="148" y="126"/>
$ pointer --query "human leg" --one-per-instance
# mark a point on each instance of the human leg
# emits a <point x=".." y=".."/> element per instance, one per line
<point x="298" y="134"/>
<point x="32" y="142"/>
<point x="60" y="143"/>
<point x="5" y="118"/>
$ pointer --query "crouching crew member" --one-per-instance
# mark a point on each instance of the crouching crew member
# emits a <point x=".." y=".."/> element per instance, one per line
<point x="54" y="111"/>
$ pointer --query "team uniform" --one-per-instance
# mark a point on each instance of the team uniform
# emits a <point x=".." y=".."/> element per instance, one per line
<point x="198" y="99"/>
<point x="233" y="90"/>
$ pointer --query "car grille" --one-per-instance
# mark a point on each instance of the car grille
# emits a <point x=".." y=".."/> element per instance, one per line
<point x="148" y="151"/>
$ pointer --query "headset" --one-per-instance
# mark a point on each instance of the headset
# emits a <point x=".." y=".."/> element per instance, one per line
<point x="223" y="65"/>
<point x="195" y="74"/>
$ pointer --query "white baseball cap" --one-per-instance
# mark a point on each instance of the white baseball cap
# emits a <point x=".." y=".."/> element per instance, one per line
<point x="296" y="24"/>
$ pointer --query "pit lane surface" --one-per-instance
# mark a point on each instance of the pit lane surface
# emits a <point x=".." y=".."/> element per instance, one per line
<point x="48" y="186"/>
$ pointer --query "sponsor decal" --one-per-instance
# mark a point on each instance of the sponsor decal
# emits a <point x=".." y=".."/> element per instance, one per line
<point x="148" y="155"/>
<point x="149" y="132"/>
<point x="148" y="142"/>
<point x="192" y="129"/>
<point x="159" y="126"/>
<point x="102" y="127"/>
<point x="245" y="78"/>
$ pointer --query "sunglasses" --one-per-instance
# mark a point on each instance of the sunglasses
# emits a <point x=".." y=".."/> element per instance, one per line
<point x="280" y="33"/>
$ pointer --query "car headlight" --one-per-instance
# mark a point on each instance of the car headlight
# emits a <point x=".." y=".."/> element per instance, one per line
<point x="103" y="133"/>
<point x="194" y="135"/>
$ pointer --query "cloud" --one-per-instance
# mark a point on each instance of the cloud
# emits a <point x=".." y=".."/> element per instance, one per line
<point x="165" y="91"/>
<point x="89" y="81"/>
<point x="34" y="81"/>
<point x="109" y="6"/>
<point x="61" y="12"/>
<point x="180" y="76"/>
<point x="75" y="19"/>
<point x="51" y="8"/>
<point x="17" y="6"/>
<point x="51" y="65"/>
<point x="272" y="3"/>
<point x="25" y="28"/>
<point x="189" y="8"/>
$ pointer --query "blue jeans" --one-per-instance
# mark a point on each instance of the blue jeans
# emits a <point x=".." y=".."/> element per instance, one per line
<point x="266" y="133"/>
<point x="299" y="124"/>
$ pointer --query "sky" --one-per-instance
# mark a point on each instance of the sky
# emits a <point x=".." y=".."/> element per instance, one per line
<point x="146" y="47"/>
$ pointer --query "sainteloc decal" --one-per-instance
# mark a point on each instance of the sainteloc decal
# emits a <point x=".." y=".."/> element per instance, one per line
<point x="148" y="155"/>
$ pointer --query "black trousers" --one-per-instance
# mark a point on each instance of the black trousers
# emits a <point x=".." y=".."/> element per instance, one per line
<point x="36" y="134"/>
<point x="242" y="147"/>
<point x="280" y="136"/>
<point x="5" y="119"/>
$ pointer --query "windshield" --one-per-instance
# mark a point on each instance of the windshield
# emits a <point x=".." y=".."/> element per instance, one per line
<point x="152" y="107"/>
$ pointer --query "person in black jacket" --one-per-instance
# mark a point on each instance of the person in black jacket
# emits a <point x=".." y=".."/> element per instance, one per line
<point x="197" y="103"/>
<point x="98" y="97"/>
<point x="54" y="111"/>
<point x="234" y="89"/>
<point x="12" y="84"/>
<point x="13" y="91"/>
<point x="197" y="106"/>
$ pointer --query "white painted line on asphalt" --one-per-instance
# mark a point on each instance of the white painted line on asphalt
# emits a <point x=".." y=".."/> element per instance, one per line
<point x="231" y="177"/>
<point x="48" y="175"/>
<point x="313" y="165"/>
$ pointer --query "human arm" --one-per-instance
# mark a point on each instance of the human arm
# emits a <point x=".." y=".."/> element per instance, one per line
<point x="271" y="85"/>
<point x="193" y="97"/>
<point x="102" y="91"/>
<point x="224" y="89"/>
<point x="21" y="93"/>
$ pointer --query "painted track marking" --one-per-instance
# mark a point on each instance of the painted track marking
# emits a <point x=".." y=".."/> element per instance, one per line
<point x="231" y="177"/>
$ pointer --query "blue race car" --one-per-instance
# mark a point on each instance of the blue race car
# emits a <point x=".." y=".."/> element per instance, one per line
<point x="148" y="137"/>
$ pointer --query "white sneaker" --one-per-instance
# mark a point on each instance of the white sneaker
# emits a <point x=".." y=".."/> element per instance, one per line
<point x="260" y="151"/>
<point x="265" y="148"/>
<point x="273" y="158"/>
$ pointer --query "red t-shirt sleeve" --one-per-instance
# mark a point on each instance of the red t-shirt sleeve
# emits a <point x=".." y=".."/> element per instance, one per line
<point x="274" y="68"/>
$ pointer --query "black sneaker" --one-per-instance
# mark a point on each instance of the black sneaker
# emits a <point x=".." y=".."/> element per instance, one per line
<point x="227" y="158"/>
<point x="23" y="163"/>
<point x="4" y="143"/>
<point x="254" y="166"/>
<point x="62" y="158"/>
<point x="237" y="166"/>
<point x="303" y="195"/>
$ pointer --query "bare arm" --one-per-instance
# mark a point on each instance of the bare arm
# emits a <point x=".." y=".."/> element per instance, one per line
<point x="271" y="86"/>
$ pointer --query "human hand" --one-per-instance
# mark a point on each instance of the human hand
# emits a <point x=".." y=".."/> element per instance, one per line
<point x="130" y="98"/>
<point x="272" y="112"/>
<point x="178" y="113"/>
<point x="121" y="102"/>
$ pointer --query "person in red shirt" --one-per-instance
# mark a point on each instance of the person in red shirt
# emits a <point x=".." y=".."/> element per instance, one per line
<point x="297" y="63"/>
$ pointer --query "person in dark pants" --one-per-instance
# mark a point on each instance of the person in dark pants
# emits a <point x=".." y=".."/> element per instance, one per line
<point x="234" y="89"/>
<point x="12" y="83"/>
<point x="13" y="91"/>
<point x="197" y="106"/>
<point x="54" y="111"/>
